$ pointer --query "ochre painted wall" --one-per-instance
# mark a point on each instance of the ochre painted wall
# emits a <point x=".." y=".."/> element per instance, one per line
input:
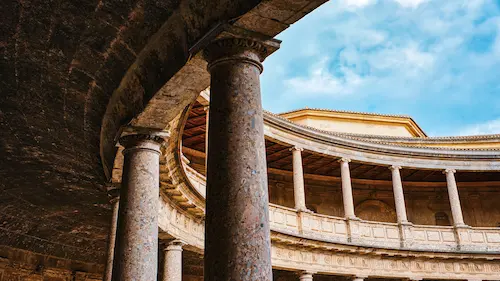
<point x="354" y="126"/>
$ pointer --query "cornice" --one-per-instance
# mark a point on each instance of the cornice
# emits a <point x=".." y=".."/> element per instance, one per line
<point x="359" y="143"/>
<point x="344" y="111"/>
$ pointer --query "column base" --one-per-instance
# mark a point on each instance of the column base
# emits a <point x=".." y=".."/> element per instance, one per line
<point x="462" y="232"/>
<point x="303" y="210"/>
<point x="353" y="229"/>
<point x="405" y="234"/>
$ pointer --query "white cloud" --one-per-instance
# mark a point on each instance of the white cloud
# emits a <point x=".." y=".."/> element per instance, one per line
<point x="356" y="4"/>
<point x="411" y="3"/>
<point x="486" y="128"/>
<point x="320" y="81"/>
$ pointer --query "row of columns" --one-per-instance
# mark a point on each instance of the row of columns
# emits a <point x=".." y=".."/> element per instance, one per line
<point x="237" y="232"/>
<point x="347" y="197"/>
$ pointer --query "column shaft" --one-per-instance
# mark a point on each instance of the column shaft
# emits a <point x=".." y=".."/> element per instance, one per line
<point x="136" y="254"/>
<point x="298" y="180"/>
<point x="173" y="262"/>
<point x="456" y="209"/>
<point x="108" y="272"/>
<point x="347" y="188"/>
<point x="206" y="109"/>
<point x="237" y="233"/>
<point x="399" y="198"/>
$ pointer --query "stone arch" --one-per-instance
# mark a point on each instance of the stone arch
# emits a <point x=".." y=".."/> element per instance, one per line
<point x="375" y="210"/>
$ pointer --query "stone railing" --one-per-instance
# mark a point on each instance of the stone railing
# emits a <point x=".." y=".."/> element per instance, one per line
<point x="382" y="234"/>
<point x="290" y="251"/>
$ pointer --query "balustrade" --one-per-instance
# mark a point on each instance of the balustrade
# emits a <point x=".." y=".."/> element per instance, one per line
<point x="401" y="235"/>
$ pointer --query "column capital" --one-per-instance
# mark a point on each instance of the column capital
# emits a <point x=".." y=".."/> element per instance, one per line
<point x="236" y="43"/>
<point x="344" y="160"/>
<point x="395" y="167"/>
<point x="447" y="171"/>
<point x="296" y="148"/>
<point x="132" y="140"/>
<point x="174" y="245"/>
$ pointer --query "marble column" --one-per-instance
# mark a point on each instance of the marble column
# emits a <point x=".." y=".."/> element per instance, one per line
<point x="207" y="110"/>
<point x="298" y="179"/>
<point x="136" y="253"/>
<point x="456" y="209"/>
<point x="399" y="198"/>
<point x="114" y="194"/>
<point x="172" y="270"/>
<point x="237" y="232"/>
<point x="347" y="189"/>
<point x="306" y="276"/>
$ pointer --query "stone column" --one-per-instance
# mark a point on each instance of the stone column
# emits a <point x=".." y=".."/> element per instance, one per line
<point x="456" y="209"/>
<point x="172" y="270"/>
<point x="136" y="253"/>
<point x="207" y="110"/>
<point x="306" y="276"/>
<point x="399" y="198"/>
<point x="347" y="189"/>
<point x="298" y="179"/>
<point x="237" y="233"/>
<point x="114" y="194"/>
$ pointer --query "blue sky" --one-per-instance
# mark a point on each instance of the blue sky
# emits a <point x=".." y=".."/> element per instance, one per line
<point x="435" y="60"/>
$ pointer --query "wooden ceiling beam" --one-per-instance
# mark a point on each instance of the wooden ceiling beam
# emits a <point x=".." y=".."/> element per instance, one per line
<point x="410" y="175"/>
<point x="430" y="174"/>
<point x="380" y="173"/>
<point x="277" y="160"/>
<point x="187" y="140"/>
<point x="277" y="152"/>
<point x="194" y="128"/>
<point x="325" y="166"/>
<point x="356" y="168"/>
<point x="197" y="118"/>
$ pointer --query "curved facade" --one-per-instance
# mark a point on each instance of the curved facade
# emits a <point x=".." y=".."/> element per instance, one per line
<point x="102" y="127"/>
<point x="344" y="204"/>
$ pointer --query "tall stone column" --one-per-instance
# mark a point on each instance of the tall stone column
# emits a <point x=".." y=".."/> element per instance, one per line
<point x="172" y="270"/>
<point x="306" y="276"/>
<point x="207" y="110"/>
<point x="136" y="253"/>
<point x="114" y="194"/>
<point x="347" y="189"/>
<point x="399" y="198"/>
<point x="298" y="179"/>
<point x="456" y="209"/>
<point x="237" y="233"/>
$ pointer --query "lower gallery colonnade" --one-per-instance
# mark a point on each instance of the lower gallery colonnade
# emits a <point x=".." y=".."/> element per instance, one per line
<point x="235" y="248"/>
<point x="243" y="237"/>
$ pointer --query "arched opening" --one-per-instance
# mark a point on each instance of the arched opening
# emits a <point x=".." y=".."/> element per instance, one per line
<point x="442" y="219"/>
<point x="375" y="210"/>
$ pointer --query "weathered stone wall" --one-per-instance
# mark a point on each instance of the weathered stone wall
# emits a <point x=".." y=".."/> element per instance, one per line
<point x="18" y="265"/>
<point x="376" y="202"/>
